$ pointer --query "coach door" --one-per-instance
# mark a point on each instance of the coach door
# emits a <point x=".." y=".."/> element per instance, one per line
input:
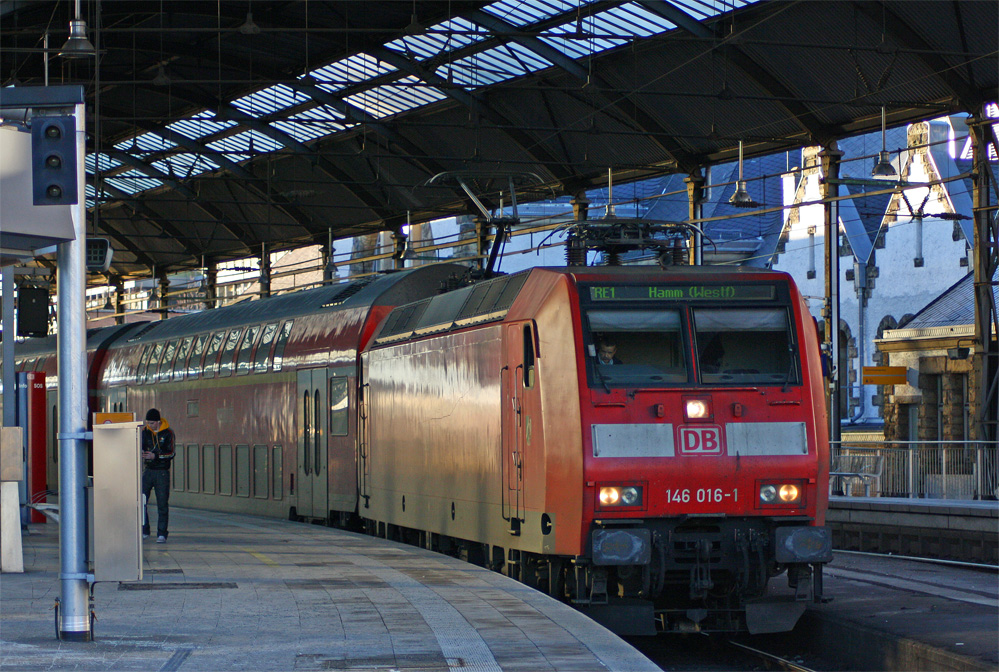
<point x="518" y="380"/>
<point x="312" y="444"/>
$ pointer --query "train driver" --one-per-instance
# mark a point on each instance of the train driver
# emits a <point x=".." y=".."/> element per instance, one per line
<point x="607" y="353"/>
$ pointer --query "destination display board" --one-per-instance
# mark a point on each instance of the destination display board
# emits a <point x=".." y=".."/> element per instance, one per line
<point x="692" y="292"/>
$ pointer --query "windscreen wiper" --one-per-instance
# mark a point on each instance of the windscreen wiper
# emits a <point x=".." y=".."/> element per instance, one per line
<point x="790" y="367"/>
<point x="603" y="381"/>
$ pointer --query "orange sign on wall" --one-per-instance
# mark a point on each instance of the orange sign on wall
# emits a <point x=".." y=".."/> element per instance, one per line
<point x="884" y="375"/>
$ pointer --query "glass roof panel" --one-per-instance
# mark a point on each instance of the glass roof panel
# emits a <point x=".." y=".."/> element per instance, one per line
<point x="351" y="70"/>
<point x="244" y="145"/>
<point x="147" y="142"/>
<point x="92" y="195"/>
<point x="270" y="100"/>
<point x="406" y="94"/>
<point x="494" y="65"/>
<point x="630" y="20"/>
<point x="705" y="9"/>
<point x="605" y="30"/>
<point x="303" y="130"/>
<point x="445" y="37"/>
<point x="521" y="13"/>
<point x="132" y="185"/>
<point x="200" y="125"/>
<point x="106" y="162"/>
<point x="312" y="123"/>
<point x="186" y="164"/>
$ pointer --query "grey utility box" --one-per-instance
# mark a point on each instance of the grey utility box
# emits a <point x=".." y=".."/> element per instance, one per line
<point x="117" y="507"/>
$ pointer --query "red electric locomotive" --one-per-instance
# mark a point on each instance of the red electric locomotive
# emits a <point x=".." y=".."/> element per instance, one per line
<point x="647" y="444"/>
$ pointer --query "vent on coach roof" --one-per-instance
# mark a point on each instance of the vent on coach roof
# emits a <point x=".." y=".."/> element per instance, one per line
<point x="485" y="302"/>
<point x="493" y="296"/>
<point x="349" y="290"/>
<point x="142" y="331"/>
<point x="402" y="321"/>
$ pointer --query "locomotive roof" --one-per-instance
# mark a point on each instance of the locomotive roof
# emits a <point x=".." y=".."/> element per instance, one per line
<point x="490" y="300"/>
<point x="388" y="289"/>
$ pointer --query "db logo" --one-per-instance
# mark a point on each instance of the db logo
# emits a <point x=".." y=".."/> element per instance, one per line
<point x="704" y="440"/>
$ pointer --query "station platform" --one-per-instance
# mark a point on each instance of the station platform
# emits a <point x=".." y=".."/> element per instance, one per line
<point x="948" y="529"/>
<point x="243" y="593"/>
<point x="890" y="613"/>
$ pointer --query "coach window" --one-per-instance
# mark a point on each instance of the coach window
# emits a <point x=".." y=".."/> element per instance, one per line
<point x="154" y="364"/>
<point x="194" y="362"/>
<point x="636" y="347"/>
<point x="260" y="359"/>
<point x="744" y="346"/>
<point x="140" y="371"/>
<point x="243" y="363"/>
<point x="338" y="406"/>
<point x="181" y="365"/>
<point x="169" y="352"/>
<point x="282" y="341"/>
<point x="229" y="353"/>
<point x="212" y="354"/>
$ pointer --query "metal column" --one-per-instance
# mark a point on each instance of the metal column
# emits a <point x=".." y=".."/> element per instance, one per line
<point x="211" y="286"/>
<point x="164" y="307"/>
<point x="265" y="271"/>
<point x="695" y="201"/>
<point x="986" y="263"/>
<point x="829" y="189"/>
<point x="9" y="419"/>
<point x="74" y="610"/>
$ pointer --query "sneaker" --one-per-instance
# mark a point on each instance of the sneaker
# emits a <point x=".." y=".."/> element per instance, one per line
<point x="145" y="536"/>
<point x="161" y="539"/>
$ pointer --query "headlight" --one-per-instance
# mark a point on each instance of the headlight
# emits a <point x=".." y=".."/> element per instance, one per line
<point x="696" y="408"/>
<point x="777" y="493"/>
<point x="620" y="496"/>
<point x="789" y="493"/>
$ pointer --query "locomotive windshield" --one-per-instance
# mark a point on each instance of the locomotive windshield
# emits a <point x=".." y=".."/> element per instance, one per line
<point x="743" y="345"/>
<point x="641" y="336"/>
<point x="638" y="347"/>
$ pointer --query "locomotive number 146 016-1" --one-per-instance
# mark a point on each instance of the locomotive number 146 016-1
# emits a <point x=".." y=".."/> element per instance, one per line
<point x="700" y="495"/>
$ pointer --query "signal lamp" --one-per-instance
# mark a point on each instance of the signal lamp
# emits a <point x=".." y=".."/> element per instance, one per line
<point x="53" y="160"/>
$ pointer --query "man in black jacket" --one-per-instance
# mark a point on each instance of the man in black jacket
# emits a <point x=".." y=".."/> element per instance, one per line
<point x="157" y="455"/>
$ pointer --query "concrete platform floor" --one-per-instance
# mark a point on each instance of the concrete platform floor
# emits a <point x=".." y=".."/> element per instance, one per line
<point x="890" y="613"/>
<point x="231" y="592"/>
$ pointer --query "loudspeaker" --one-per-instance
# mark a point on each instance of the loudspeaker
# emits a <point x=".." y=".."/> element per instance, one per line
<point x="32" y="311"/>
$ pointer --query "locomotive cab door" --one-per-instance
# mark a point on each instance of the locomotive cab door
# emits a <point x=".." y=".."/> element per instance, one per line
<point x="313" y="450"/>
<point x="518" y="384"/>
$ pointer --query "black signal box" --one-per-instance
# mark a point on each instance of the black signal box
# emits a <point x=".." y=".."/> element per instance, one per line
<point x="53" y="160"/>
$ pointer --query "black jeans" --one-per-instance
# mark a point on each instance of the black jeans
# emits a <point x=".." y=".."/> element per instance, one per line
<point x="159" y="480"/>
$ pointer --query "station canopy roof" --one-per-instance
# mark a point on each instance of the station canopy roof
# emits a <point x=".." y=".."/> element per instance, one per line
<point x="215" y="128"/>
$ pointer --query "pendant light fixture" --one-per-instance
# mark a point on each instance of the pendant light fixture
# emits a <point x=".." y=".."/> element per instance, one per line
<point x="741" y="197"/>
<point x="882" y="167"/>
